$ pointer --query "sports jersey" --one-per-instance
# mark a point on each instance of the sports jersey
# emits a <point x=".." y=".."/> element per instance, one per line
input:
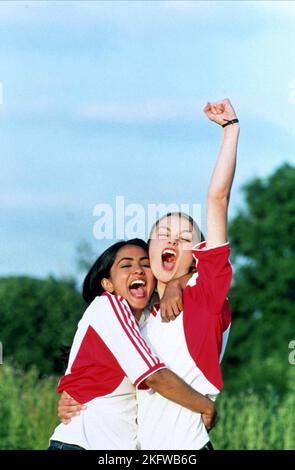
<point x="108" y="359"/>
<point x="191" y="346"/>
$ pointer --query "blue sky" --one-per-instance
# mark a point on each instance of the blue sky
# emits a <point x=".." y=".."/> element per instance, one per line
<point x="104" y="99"/>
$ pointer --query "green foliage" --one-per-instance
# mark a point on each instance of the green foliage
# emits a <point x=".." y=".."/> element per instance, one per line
<point x="28" y="408"/>
<point x="86" y="256"/>
<point x="37" y="317"/>
<point x="247" y="421"/>
<point x="262" y="297"/>
<point x="257" y="409"/>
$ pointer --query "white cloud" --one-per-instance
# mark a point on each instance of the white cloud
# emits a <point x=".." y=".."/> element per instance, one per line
<point x="33" y="200"/>
<point x="147" y="111"/>
<point x="262" y="114"/>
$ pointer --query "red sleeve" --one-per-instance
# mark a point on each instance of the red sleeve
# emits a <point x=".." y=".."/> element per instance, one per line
<point x="206" y="311"/>
<point x="214" y="276"/>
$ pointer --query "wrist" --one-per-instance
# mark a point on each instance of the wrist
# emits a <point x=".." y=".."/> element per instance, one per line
<point x="231" y="128"/>
<point x="209" y="408"/>
<point x="180" y="282"/>
<point x="175" y="283"/>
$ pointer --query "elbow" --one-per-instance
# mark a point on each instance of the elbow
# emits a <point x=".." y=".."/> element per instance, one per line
<point x="155" y="379"/>
<point x="219" y="198"/>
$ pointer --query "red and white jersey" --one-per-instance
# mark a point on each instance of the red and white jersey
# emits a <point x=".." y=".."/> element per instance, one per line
<point x="192" y="347"/>
<point x="108" y="359"/>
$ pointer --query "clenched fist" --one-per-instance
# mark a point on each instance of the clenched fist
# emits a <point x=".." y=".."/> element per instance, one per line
<point x="220" y="111"/>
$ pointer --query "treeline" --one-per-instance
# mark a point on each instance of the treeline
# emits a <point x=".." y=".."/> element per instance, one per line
<point x="38" y="317"/>
<point x="257" y="409"/>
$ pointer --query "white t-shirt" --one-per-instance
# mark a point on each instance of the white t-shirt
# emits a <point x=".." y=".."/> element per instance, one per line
<point x="191" y="346"/>
<point x="108" y="359"/>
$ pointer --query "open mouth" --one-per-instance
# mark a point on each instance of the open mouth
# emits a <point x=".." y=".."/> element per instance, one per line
<point x="137" y="288"/>
<point x="168" y="259"/>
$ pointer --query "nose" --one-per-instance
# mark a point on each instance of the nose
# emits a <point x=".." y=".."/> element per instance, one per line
<point x="138" y="269"/>
<point x="174" y="241"/>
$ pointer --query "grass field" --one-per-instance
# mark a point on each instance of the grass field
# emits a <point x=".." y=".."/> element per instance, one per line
<point x="246" y="421"/>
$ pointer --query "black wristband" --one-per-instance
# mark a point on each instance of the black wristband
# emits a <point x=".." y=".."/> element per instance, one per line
<point x="233" y="121"/>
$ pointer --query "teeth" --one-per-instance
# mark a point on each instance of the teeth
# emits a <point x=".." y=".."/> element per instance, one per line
<point x="137" y="281"/>
<point x="170" y="252"/>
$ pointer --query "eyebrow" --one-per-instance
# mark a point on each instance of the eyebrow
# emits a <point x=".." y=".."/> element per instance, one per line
<point x="169" y="229"/>
<point x="126" y="258"/>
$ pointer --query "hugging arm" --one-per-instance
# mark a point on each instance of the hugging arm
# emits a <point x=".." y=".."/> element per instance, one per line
<point x="167" y="384"/>
<point x="172" y="387"/>
<point x="139" y="363"/>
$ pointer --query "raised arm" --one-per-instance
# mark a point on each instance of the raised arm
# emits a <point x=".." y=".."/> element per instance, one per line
<point x="221" y="112"/>
<point x="222" y="177"/>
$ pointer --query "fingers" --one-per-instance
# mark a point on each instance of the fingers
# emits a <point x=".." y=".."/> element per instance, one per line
<point x="72" y="409"/>
<point x="179" y="306"/>
<point x="210" y="419"/>
<point x="69" y="402"/>
<point x="66" y="421"/>
<point x="68" y="408"/>
<point x="170" y="312"/>
<point x="168" y="315"/>
<point x="66" y="413"/>
<point x="208" y="422"/>
<point x="215" y="108"/>
<point x="219" y="107"/>
<point x="207" y="108"/>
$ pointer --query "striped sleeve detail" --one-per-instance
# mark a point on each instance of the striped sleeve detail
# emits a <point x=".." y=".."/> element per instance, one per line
<point x="138" y="383"/>
<point x="132" y="322"/>
<point x="129" y="330"/>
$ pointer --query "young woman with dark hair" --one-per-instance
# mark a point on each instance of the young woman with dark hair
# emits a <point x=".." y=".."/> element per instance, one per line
<point x="109" y="359"/>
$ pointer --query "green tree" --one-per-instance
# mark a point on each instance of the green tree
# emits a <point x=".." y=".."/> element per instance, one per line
<point x="262" y="298"/>
<point x="37" y="318"/>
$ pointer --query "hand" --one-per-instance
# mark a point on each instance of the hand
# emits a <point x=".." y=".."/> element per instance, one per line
<point x="68" y="408"/>
<point x="171" y="302"/>
<point x="210" y="419"/>
<point x="220" y="111"/>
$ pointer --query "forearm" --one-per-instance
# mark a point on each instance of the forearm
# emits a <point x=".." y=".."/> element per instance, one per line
<point x="172" y="387"/>
<point x="220" y="186"/>
<point x="224" y="170"/>
<point x="181" y="282"/>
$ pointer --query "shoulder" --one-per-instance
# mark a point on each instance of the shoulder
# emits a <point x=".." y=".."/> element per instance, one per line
<point x="106" y="304"/>
<point x="201" y="250"/>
